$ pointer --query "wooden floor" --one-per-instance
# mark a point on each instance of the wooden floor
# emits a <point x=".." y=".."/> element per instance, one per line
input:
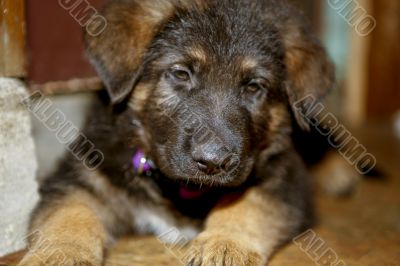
<point x="361" y="230"/>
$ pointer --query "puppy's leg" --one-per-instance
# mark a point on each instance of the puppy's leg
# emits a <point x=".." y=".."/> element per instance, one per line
<point x="335" y="175"/>
<point x="66" y="232"/>
<point x="243" y="232"/>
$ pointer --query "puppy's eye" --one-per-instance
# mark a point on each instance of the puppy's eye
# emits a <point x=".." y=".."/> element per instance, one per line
<point x="255" y="88"/>
<point x="181" y="74"/>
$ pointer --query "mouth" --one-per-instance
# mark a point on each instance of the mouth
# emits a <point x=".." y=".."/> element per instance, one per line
<point x="191" y="191"/>
<point x="197" y="185"/>
<point x="193" y="182"/>
<point x="201" y="184"/>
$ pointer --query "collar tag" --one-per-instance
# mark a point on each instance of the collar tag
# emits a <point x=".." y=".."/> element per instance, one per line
<point x="141" y="164"/>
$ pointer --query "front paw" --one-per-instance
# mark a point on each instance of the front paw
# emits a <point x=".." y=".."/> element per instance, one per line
<point x="215" y="250"/>
<point x="59" y="257"/>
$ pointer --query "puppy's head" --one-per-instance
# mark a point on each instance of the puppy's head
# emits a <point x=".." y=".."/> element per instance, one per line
<point x="211" y="82"/>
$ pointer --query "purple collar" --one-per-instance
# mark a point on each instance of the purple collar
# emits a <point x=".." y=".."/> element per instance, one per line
<point x="144" y="166"/>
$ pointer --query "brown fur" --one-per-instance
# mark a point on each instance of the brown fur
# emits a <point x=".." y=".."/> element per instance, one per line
<point x="198" y="54"/>
<point x="73" y="217"/>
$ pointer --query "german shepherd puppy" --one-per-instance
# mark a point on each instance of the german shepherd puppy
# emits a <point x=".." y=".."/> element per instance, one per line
<point x="197" y="135"/>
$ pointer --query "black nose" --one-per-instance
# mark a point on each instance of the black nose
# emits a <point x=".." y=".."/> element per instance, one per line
<point x="208" y="163"/>
<point x="209" y="160"/>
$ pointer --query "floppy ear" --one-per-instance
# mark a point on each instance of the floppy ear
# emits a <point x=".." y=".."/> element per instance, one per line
<point x="309" y="69"/>
<point x="117" y="52"/>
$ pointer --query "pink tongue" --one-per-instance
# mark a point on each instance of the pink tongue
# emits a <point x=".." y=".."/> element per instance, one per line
<point x="188" y="193"/>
